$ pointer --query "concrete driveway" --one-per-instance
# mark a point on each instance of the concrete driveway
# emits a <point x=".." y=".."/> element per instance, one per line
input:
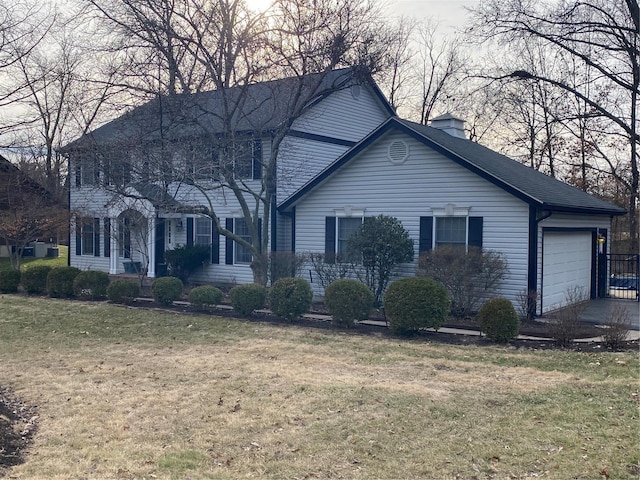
<point x="599" y="311"/>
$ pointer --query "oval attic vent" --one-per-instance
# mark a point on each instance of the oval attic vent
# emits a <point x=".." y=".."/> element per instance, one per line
<point x="398" y="151"/>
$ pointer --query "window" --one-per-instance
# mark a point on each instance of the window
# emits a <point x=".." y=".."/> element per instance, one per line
<point x="88" y="236"/>
<point x="118" y="174"/>
<point x="86" y="172"/>
<point x="124" y="238"/>
<point x="338" y="230"/>
<point x="202" y="234"/>
<point x="243" y="159"/>
<point x="451" y="231"/>
<point x="461" y="230"/>
<point x="242" y="253"/>
<point x="346" y="228"/>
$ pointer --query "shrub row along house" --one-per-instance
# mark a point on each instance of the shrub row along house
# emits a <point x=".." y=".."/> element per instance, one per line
<point x="296" y="165"/>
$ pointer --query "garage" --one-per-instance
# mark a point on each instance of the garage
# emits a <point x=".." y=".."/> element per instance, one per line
<point x="567" y="258"/>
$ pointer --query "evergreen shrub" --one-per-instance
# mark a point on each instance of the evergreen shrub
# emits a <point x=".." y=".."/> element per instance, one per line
<point x="348" y="300"/>
<point x="205" y="296"/>
<point x="247" y="298"/>
<point x="123" y="291"/>
<point x="9" y="280"/>
<point x="414" y="303"/>
<point x="60" y="281"/>
<point x="166" y="290"/>
<point x="34" y="279"/>
<point x="91" y="284"/>
<point x="498" y="320"/>
<point x="290" y="297"/>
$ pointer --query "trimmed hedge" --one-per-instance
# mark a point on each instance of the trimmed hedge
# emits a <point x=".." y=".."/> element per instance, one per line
<point x="205" y="296"/>
<point x="247" y="298"/>
<point x="498" y="320"/>
<point x="414" y="303"/>
<point x="91" y="284"/>
<point x="9" y="281"/>
<point x="290" y="297"/>
<point x="60" y="281"/>
<point x="123" y="291"/>
<point x="34" y="279"/>
<point x="166" y="290"/>
<point x="348" y="300"/>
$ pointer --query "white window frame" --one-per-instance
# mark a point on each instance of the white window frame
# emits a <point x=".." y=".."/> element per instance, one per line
<point x="202" y="231"/>
<point x="451" y="212"/>
<point x="238" y="249"/>
<point x="87" y="230"/>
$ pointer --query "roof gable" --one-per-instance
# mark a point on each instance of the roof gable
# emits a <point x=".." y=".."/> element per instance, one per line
<point x="527" y="184"/>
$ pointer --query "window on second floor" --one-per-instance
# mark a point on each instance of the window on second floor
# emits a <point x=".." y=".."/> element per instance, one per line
<point x="243" y="160"/>
<point x="86" y="171"/>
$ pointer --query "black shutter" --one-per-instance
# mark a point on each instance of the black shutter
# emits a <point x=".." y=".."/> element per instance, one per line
<point x="107" y="237"/>
<point x="475" y="231"/>
<point x="426" y="234"/>
<point x="78" y="237"/>
<point x="190" y="231"/>
<point x="215" y="243"/>
<point x="330" y="240"/>
<point x="228" y="244"/>
<point x="260" y="233"/>
<point x="257" y="159"/>
<point x="96" y="237"/>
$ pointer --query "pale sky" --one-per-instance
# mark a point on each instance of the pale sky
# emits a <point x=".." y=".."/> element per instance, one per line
<point x="450" y="13"/>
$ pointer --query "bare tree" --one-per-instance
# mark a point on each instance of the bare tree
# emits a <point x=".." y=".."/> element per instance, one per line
<point x="602" y="36"/>
<point x="440" y="64"/>
<point x="27" y="211"/>
<point x="225" y="45"/>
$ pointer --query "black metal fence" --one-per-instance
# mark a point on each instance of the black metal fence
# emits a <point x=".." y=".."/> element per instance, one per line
<point x="623" y="275"/>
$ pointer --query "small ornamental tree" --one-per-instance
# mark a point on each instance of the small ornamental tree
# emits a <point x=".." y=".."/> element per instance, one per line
<point x="381" y="244"/>
<point x="469" y="276"/>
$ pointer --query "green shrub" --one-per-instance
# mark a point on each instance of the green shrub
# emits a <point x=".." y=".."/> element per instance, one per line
<point x="60" y="281"/>
<point x="9" y="280"/>
<point x="123" y="291"/>
<point x="414" y="303"/>
<point x="205" y="296"/>
<point x="91" y="284"/>
<point x="290" y="297"/>
<point x="247" y="298"/>
<point x="166" y="290"/>
<point x="182" y="261"/>
<point x="348" y="300"/>
<point x="498" y="320"/>
<point x="34" y="279"/>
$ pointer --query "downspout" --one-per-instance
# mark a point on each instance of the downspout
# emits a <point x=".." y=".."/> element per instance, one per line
<point x="532" y="273"/>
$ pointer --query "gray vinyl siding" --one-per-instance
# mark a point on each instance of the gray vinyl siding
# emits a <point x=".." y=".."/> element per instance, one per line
<point x="300" y="160"/>
<point x="408" y="191"/>
<point x="340" y="115"/>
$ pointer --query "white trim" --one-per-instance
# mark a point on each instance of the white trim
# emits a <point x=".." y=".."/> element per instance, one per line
<point x="450" y="210"/>
<point x="349" y="211"/>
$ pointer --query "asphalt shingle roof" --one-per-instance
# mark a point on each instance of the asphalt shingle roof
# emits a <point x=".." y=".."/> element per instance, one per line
<point x="525" y="183"/>
<point x="257" y="107"/>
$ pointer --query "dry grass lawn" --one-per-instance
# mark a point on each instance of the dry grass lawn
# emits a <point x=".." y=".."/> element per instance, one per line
<point x="138" y="394"/>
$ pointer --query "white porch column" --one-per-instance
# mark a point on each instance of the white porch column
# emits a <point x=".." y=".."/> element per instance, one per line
<point x="113" y="248"/>
<point x="151" y="248"/>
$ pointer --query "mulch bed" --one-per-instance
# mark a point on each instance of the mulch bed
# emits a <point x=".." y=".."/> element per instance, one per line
<point x="17" y="426"/>
<point x="18" y="421"/>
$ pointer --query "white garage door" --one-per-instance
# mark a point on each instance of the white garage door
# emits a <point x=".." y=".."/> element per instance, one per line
<point x="566" y="264"/>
